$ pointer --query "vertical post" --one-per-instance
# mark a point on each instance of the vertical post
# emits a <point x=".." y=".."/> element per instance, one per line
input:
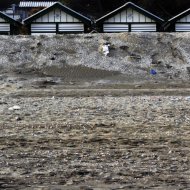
<point x="11" y="30"/>
<point x="29" y="29"/>
<point x="57" y="28"/>
<point x="158" y="28"/>
<point x="129" y="24"/>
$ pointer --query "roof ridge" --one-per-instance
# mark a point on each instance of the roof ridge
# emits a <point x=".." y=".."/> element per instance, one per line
<point x="132" y="4"/>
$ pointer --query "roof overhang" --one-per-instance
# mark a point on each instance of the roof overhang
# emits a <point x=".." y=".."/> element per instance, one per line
<point x="133" y="6"/>
<point x="179" y="16"/>
<point x="59" y="6"/>
<point x="9" y="19"/>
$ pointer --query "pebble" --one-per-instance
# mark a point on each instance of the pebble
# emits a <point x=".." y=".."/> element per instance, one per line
<point x="138" y="86"/>
<point x="18" y="118"/>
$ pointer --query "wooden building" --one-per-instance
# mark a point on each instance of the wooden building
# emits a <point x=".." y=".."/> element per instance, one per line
<point x="11" y="12"/>
<point x="8" y="25"/>
<point x="129" y="18"/>
<point x="180" y="23"/>
<point x="26" y="8"/>
<point x="57" y="19"/>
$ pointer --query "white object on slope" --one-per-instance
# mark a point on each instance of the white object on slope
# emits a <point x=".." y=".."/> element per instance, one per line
<point x="15" y="108"/>
<point x="105" y="49"/>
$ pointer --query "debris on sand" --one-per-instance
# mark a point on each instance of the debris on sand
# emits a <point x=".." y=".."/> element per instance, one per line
<point x="15" y="108"/>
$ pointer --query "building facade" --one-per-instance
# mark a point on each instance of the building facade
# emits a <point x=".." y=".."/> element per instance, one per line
<point x="129" y="18"/>
<point x="180" y="23"/>
<point x="8" y="25"/>
<point x="25" y="8"/>
<point x="57" y="19"/>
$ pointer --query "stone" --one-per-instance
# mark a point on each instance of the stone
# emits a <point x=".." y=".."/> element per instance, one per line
<point x="138" y="86"/>
<point x="18" y="118"/>
<point x="15" y="108"/>
<point x="188" y="70"/>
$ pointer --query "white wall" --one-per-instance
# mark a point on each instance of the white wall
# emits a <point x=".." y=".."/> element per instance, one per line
<point x="4" y="27"/>
<point x="2" y="20"/>
<point x="181" y="27"/>
<point x="57" y="15"/>
<point x="129" y="15"/>
<point x="185" y="19"/>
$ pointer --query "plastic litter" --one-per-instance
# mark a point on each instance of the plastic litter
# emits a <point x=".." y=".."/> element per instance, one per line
<point x="153" y="72"/>
<point x="105" y="49"/>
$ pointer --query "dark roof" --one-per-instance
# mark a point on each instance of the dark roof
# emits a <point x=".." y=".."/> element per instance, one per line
<point x="130" y="5"/>
<point x="60" y="6"/>
<point x="9" y="19"/>
<point x="179" y="16"/>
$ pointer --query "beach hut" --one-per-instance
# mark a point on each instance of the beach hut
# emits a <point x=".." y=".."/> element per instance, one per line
<point x="129" y="18"/>
<point x="181" y="22"/>
<point x="57" y="19"/>
<point x="8" y="25"/>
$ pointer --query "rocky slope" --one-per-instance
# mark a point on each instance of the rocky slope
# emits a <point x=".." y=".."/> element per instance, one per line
<point x="132" y="56"/>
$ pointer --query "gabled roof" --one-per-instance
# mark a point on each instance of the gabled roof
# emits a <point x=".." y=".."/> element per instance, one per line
<point x="59" y="6"/>
<point x="27" y="4"/>
<point x="179" y="16"/>
<point x="9" y="19"/>
<point x="133" y="6"/>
